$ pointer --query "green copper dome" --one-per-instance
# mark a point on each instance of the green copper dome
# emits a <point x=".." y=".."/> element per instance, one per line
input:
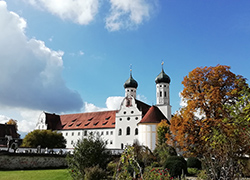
<point x="162" y="78"/>
<point x="130" y="82"/>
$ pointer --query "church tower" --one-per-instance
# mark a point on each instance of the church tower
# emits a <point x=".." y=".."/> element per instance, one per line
<point x="162" y="93"/>
<point x="130" y="86"/>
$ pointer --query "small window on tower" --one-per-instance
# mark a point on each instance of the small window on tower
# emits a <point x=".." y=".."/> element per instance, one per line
<point x="160" y="94"/>
<point x="165" y="94"/>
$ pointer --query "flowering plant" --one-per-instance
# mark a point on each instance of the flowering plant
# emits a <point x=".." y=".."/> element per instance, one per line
<point x="157" y="173"/>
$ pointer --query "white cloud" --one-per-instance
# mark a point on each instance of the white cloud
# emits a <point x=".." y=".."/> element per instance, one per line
<point x="127" y="14"/>
<point x="78" y="11"/>
<point x="123" y="14"/>
<point x="183" y="102"/>
<point x="81" y="53"/>
<point x="31" y="72"/>
<point x="28" y="120"/>
<point x="4" y="119"/>
<point x="142" y="98"/>
<point x="112" y="103"/>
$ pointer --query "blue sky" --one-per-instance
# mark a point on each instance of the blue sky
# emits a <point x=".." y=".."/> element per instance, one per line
<point x="75" y="56"/>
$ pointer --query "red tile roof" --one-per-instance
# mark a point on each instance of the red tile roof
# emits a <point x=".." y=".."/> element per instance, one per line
<point x="91" y="120"/>
<point x="154" y="115"/>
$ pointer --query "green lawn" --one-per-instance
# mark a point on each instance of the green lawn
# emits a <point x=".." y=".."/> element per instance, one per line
<point x="55" y="174"/>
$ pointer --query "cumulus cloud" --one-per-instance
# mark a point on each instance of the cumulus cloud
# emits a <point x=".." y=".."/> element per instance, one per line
<point x="30" y="71"/>
<point x="112" y="103"/>
<point x="123" y="14"/>
<point x="4" y="119"/>
<point x="127" y="14"/>
<point x="78" y="11"/>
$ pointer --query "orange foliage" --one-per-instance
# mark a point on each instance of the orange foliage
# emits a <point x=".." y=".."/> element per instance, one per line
<point x="206" y="91"/>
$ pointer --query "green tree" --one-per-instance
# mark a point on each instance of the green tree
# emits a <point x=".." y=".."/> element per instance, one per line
<point x="162" y="130"/>
<point x="88" y="152"/>
<point x="44" y="138"/>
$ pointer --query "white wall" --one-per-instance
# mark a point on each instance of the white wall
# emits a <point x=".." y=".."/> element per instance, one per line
<point x="72" y="136"/>
<point x="148" y="135"/>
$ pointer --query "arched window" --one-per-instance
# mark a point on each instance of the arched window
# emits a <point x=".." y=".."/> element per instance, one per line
<point x="128" y="131"/>
<point x="136" y="131"/>
<point x="121" y="145"/>
<point x="120" y="132"/>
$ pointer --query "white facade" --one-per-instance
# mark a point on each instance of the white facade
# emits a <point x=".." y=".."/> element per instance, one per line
<point x="72" y="136"/>
<point x="127" y="118"/>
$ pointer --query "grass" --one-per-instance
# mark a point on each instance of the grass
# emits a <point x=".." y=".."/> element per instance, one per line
<point x="54" y="174"/>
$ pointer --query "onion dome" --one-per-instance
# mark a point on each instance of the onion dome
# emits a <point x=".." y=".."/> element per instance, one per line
<point x="130" y="82"/>
<point x="162" y="78"/>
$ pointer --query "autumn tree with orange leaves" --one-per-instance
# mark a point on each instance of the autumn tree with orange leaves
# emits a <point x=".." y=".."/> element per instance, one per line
<point x="215" y="121"/>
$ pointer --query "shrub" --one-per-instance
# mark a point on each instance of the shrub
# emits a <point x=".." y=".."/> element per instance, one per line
<point x="88" y="152"/>
<point x="111" y="168"/>
<point x="202" y="175"/>
<point x="94" y="173"/>
<point x="193" y="162"/>
<point x="176" y="166"/>
<point x="193" y="171"/>
<point x="163" y="151"/>
<point x="156" y="173"/>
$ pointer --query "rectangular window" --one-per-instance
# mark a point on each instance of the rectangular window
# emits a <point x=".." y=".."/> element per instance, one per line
<point x="66" y="134"/>
<point x="107" y="133"/>
<point x="79" y="133"/>
<point x="72" y="133"/>
<point x="85" y="133"/>
<point x="111" y="132"/>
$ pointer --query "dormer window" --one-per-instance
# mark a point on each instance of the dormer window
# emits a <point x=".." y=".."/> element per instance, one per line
<point x="79" y="124"/>
<point x="90" y="119"/>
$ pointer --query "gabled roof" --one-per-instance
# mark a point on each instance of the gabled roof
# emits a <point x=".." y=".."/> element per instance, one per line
<point x="143" y="107"/>
<point x="8" y="129"/>
<point x="92" y="120"/>
<point x="154" y="115"/>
